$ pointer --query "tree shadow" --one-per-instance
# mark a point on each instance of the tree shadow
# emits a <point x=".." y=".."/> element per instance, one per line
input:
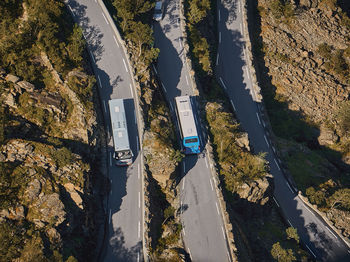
<point x="170" y="10"/>
<point x="92" y="34"/>
<point x="118" y="249"/>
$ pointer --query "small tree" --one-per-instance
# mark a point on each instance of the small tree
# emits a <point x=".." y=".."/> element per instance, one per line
<point x="281" y="254"/>
<point x="76" y="44"/>
<point x="292" y="234"/>
<point x="340" y="197"/>
<point x="168" y="212"/>
<point x="140" y="34"/>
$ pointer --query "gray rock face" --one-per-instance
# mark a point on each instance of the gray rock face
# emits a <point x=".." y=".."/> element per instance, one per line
<point x="302" y="76"/>
<point x="256" y="191"/>
<point x="327" y="136"/>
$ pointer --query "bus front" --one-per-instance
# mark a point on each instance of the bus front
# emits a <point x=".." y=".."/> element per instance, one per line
<point x="191" y="145"/>
<point x="123" y="157"/>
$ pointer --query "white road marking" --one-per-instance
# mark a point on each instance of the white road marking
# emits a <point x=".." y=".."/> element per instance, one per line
<point x="273" y="148"/>
<point x="222" y="82"/>
<point x="311" y="251"/>
<point x="247" y="72"/>
<point x="332" y="232"/>
<point x="171" y="107"/>
<point x="135" y="116"/>
<point x="186" y="80"/>
<point x="105" y="18"/>
<point x="180" y="43"/>
<point x="206" y="162"/>
<point x="211" y="185"/>
<point x="183" y="231"/>
<point x="289" y="223"/>
<point x="349" y="251"/>
<point x="229" y="257"/>
<point x="219" y="37"/>
<point x="125" y="65"/>
<point x="276" y="201"/>
<point x="189" y="252"/>
<point x="164" y="88"/>
<point x="138" y="234"/>
<point x="257" y="116"/>
<point x="132" y="95"/>
<point x="233" y="105"/>
<point x="92" y="56"/>
<point x="219" y="15"/>
<point x="217" y="208"/>
<point x="223" y="232"/>
<point x="241" y="28"/>
<point x="266" y="141"/>
<point x="290" y="187"/>
<point x="217" y="59"/>
<point x="139" y="199"/>
<point x="70" y="9"/>
<point x="138" y="170"/>
<point x="110" y="158"/>
<point x="155" y="70"/>
<point x="138" y="257"/>
<point x="263" y="122"/>
<point x="239" y="7"/>
<point x="99" y="81"/>
<point x="277" y="164"/>
<point x="137" y="143"/>
<point x="104" y="106"/>
<point x="109" y="219"/>
<point x="183" y="183"/>
<point x="116" y="41"/>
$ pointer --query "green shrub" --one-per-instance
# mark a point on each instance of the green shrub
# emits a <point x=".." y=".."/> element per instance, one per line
<point x="325" y="50"/>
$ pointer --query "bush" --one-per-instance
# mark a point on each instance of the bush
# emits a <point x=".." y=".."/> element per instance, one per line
<point x="325" y="50"/>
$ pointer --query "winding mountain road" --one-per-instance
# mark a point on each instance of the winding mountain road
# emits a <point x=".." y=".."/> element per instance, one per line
<point x="125" y="201"/>
<point x="203" y="229"/>
<point x="234" y="76"/>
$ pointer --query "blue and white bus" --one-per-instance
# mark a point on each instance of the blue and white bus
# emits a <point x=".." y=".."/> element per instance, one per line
<point x="187" y="125"/>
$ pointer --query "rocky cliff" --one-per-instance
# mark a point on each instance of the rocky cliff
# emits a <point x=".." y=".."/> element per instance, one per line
<point x="304" y="71"/>
<point x="307" y="51"/>
<point x="48" y="135"/>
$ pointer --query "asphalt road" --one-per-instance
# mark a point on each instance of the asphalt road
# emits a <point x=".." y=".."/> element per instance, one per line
<point x="235" y="78"/>
<point x="124" y="205"/>
<point x="203" y="233"/>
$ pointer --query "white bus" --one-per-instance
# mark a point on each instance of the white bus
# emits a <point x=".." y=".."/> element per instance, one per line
<point x="187" y="125"/>
<point x="122" y="151"/>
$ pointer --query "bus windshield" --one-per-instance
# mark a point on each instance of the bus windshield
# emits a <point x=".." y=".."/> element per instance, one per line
<point x="126" y="154"/>
<point x="191" y="140"/>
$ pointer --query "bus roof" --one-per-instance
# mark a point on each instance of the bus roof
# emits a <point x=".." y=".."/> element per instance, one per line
<point x="119" y="126"/>
<point x="187" y="123"/>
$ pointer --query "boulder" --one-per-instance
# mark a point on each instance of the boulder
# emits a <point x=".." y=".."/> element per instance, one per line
<point x="243" y="141"/>
<point x="26" y="85"/>
<point x="327" y="136"/>
<point x="256" y="191"/>
<point x="12" y="78"/>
